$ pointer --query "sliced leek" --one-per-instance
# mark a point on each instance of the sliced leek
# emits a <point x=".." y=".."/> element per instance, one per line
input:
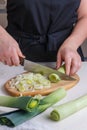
<point x="30" y="82"/>
<point x="54" y="77"/>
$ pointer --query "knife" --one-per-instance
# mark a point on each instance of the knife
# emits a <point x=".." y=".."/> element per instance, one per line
<point x="38" y="68"/>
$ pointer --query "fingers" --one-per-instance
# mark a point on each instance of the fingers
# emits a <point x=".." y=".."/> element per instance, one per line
<point x="72" y="65"/>
<point x="8" y="62"/>
<point x="76" y="65"/>
<point x="20" y="54"/>
<point x="68" y="61"/>
<point x="59" y="61"/>
<point x="12" y="56"/>
<point x="15" y="59"/>
<point x="72" y="61"/>
<point x="9" y="49"/>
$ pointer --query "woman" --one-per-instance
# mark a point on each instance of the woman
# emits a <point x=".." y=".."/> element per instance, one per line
<point x="45" y="31"/>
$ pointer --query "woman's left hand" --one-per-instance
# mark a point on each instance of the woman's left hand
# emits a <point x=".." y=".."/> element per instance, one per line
<point x="71" y="58"/>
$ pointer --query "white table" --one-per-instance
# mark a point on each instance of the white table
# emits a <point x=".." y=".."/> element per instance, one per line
<point x="78" y="121"/>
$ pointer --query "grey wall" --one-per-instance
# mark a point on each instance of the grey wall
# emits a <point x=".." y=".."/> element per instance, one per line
<point x="3" y="15"/>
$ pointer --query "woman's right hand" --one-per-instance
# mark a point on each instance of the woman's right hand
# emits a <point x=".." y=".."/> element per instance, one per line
<point x="10" y="52"/>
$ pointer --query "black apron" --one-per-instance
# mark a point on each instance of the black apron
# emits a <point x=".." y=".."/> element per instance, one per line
<point x="40" y="27"/>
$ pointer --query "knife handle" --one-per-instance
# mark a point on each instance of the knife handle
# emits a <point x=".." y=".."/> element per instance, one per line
<point x="22" y="61"/>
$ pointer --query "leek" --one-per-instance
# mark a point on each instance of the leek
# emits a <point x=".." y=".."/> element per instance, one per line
<point x="27" y="103"/>
<point x="17" y="117"/>
<point x="54" y="77"/>
<point x="62" y="69"/>
<point x="29" y="82"/>
<point x="62" y="111"/>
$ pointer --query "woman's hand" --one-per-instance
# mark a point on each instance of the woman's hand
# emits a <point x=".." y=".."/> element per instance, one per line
<point x="9" y="49"/>
<point x="71" y="58"/>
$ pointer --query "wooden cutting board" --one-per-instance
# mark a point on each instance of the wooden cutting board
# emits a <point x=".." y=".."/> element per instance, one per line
<point x="65" y="84"/>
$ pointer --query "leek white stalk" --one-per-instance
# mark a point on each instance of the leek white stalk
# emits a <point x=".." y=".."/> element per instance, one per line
<point x="62" y="111"/>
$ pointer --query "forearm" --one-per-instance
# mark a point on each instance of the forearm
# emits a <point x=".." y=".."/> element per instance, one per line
<point x="68" y="51"/>
<point x="79" y="33"/>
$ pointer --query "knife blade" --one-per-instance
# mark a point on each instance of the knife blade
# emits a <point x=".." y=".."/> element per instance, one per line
<point x="38" y="68"/>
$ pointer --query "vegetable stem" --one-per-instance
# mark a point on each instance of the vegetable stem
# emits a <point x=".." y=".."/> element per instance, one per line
<point x="19" y="116"/>
<point x="24" y="103"/>
<point x="62" y="111"/>
<point x="51" y="99"/>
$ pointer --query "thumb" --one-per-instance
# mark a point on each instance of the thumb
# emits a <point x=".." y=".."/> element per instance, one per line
<point x="20" y="54"/>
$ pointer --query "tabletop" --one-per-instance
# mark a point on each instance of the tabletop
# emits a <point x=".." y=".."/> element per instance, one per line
<point x="77" y="121"/>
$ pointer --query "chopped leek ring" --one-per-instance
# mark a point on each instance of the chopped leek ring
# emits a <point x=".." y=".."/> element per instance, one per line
<point x="54" y="78"/>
